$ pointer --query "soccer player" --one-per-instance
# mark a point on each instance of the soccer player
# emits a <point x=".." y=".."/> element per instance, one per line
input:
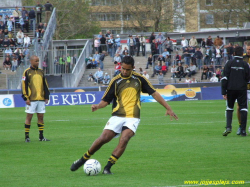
<point x="124" y="91"/>
<point x="35" y="93"/>
<point x="247" y="59"/>
<point x="234" y="86"/>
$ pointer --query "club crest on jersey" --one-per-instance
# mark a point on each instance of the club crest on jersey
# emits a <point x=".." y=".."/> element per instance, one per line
<point x="127" y="81"/>
<point x="23" y="78"/>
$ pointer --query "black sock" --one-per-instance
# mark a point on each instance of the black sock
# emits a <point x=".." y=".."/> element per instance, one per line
<point x="86" y="156"/>
<point x="243" y="115"/>
<point x="229" y="115"/>
<point x="27" y="130"/>
<point x="112" y="160"/>
<point x="41" y="128"/>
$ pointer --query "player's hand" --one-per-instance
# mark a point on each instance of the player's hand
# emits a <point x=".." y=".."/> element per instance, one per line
<point x="28" y="102"/>
<point x="46" y="101"/>
<point x="225" y="97"/>
<point x="172" y="115"/>
<point x="94" y="108"/>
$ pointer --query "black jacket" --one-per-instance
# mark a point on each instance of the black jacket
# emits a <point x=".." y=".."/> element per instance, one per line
<point x="32" y="14"/>
<point x="236" y="75"/>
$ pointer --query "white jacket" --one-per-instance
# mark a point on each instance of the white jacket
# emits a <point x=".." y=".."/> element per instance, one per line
<point x="26" y="40"/>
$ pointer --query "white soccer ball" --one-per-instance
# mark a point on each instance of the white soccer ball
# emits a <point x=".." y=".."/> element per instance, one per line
<point x="92" y="167"/>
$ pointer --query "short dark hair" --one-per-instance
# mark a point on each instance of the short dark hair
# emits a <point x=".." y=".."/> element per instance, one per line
<point x="238" y="51"/>
<point x="128" y="60"/>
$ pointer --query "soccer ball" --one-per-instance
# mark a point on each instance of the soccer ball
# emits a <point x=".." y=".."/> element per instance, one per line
<point x="92" y="167"/>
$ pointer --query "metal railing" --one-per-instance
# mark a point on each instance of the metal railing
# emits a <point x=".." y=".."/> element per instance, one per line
<point x="73" y="79"/>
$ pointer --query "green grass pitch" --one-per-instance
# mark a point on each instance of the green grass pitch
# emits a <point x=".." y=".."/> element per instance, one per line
<point x="163" y="152"/>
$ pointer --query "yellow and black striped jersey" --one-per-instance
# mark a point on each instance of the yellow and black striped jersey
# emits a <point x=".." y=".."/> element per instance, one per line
<point x="125" y="94"/>
<point x="246" y="58"/>
<point x="34" y="85"/>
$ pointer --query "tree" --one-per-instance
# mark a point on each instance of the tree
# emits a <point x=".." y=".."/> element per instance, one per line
<point x="73" y="19"/>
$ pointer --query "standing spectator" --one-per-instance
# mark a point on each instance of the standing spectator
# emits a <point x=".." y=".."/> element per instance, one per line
<point x="186" y="56"/>
<point x="48" y="10"/>
<point x="39" y="9"/>
<point x="26" y="41"/>
<point x="152" y="37"/>
<point x="32" y="17"/>
<point x="111" y="42"/>
<point x="117" y="42"/>
<point x="160" y="78"/>
<point x="99" y="36"/>
<point x="198" y="56"/>
<point x="101" y="59"/>
<point x="169" y="45"/>
<point x="26" y="22"/>
<point x="245" y="47"/>
<point x="214" y="78"/>
<point x="98" y="76"/>
<point x="159" y="39"/>
<point x="193" y="42"/>
<point x="218" y="55"/>
<point x="137" y="44"/>
<point x="21" y="22"/>
<point x="209" y="42"/>
<point x="97" y="44"/>
<point x="7" y="63"/>
<point x="16" y="14"/>
<point x="203" y="46"/>
<point x="153" y="50"/>
<point x="106" y="78"/>
<point x="150" y="60"/>
<point x="230" y="51"/>
<point x="225" y="55"/>
<point x="208" y="56"/>
<point x="103" y="43"/>
<point x="9" y="24"/>
<point x="218" y="41"/>
<point x="24" y="12"/>
<point x="2" y="26"/>
<point x="145" y="74"/>
<point x="143" y="45"/>
<point x="14" y="64"/>
<point x="184" y="43"/>
<point x="173" y="70"/>
<point x="131" y="45"/>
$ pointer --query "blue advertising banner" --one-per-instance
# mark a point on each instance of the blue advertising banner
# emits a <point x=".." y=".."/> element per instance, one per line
<point x="72" y="98"/>
<point x="211" y="93"/>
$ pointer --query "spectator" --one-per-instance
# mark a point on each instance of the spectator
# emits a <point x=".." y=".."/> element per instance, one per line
<point x="16" y="14"/>
<point x="20" y="41"/>
<point x="90" y="77"/>
<point x="9" y="24"/>
<point x="192" y="70"/>
<point x="21" y="22"/>
<point x="7" y="63"/>
<point x="152" y="37"/>
<point x="168" y="60"/>
<point x="230" y="51"/>
<point x="177" y="58"/>
<point x="137" y="45"/>
<point x="97" y="45"/>
<point x="14" y="64"/>
<point x="117" y="69"/>
<point x="210" y="71"/>
<point x="179" y="71"/>
<point x="218" y="74"/>
<point x="40" y="27"/>
<point x="111" y="43"/>
<point x="143" y="45"/>
<point x="119" y="51"/>
<point x="103" y="43"/>
<point x="10" y="35"/>
<point x="106" y="78"/>
<point x="218" y="55"/>
<point x="26" y="52"/>
<point x="2" y="26"/>
<point x="193" y="80"/>
<point x="99" y="36"/>
<point x="209" y="42"/>
<point x="169" y="45"/>
<point x="160" y="78"/>
<point x="161" y="59"/>
<point x="12" y="42"/>
<point x="24" y="12"/>
<point x="6" y="42"/>
<point x="173" y="71"/>
<point x="8" y="51"/>
<point x="191" y="51"/>
<point x="48" y="10"/>
<point x="145" y="74"/>
<point x="218" y="41"/>
<point x="157" y="69"/>
<point x="125" y="51"/>
<point x="153" y="48"/>
<point x="26" y="22"/>
<point x="198" y="56"/>
<point x="165" y="53"/>
<point x="160" y="40"/>
<point x="108" y="34"/>
<point x="188" y="80"/>
<point x="117" y="59"/>
<point x="5" y="32"/>
<point x="26" y="41"/>
<point x="32" y="17"/>
<point x="2" y="37"/>
<point x="117" y="42"/>
<point x="131" y="45"/>
<point x="204" y="72"/>
<point x="186" y="55"/>
<point x="101" y="59"/>
<point x="193" y="42"/>
<point x="18" y="51"/>
<point x="39" y="9"/>
<point x="164" y="69"/>
<point x="203" y="46"/>
<point x="184" y="43"/>
<point x="140" y="71"/>
<point x="214" y="78"/>
<point x="225" y="55"/>
<point x="150" y="59"/>
<point x="187" y="70"/>
<point x="96" y="57"/>
<point x="20" y="33"/>
<point x="208" y="56"/>
<point x="37" y="34"/>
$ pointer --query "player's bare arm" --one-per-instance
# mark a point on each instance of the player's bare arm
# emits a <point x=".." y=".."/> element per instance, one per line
<point x="225" y="97"/>
<point x="160" y="100"/>
<point x="102" y="104"/>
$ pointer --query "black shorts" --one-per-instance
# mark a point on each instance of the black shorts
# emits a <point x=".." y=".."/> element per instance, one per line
<point x="240" y="95"/>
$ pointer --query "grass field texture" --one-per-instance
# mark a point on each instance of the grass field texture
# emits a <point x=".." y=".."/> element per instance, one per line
<point x="163" y="152"/>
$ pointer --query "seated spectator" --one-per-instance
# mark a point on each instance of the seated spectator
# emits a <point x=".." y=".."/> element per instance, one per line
<point x="6" y="42"/>
<point x="157" y="69"/>
<point x="210" y="71"/>
<point x="37" y="34"/>
<point x="91" y="77"/>
<point x="42" y="33"/>
<point x="187" y="80"/>
<point x="10" y="35"/>
<point x="179" y="71"/>
<point x="193" y="80"/>
<point x="14" y="64"/>
<point x="26" y="41"/>
<point x="204" y="72"/>
<point x="168" y="60"/>
<point x="214" y="78"/>
<point x="173" y="71"/>
<point x="18" y="51"/>
<point x="161" y="59"/>
<point x="218" y="73"/>
<point x="40" y="27"/>
<point x="125" y="51"/>
<point x="94" y="63"/>
<point x="187" y="70"/>
<point x="20" y="59"/>
<point x="44" y="26"/>
<point x="7" y="63"/>
<point x="150" y="59"/>
<point x="160" y="78"/>
<point x="1" y="36"/>
<point x="119" y="51"/>
<point x="8" y="51"/>
<point x="164" y="69"/>
<point x="12" y="43"/>
<point x="2" y="26"/>
<point x="26" y="52"/>
<point x="20" y="41"/>
<point x="145" y="74"/>
<point x="98" y="76"/>
<point x="106" y="78"/>
<point x="117" y="59"/>
<point x="88" y="62"/>
<point x="117" y="69"/>
<point x="5" y="32"/>
<point x="96" y="58"/>
<point x="165" y="53"/>
<point x="177" y="58"/>
<point x="192" y="70"/>
<point x="19" y="33"/>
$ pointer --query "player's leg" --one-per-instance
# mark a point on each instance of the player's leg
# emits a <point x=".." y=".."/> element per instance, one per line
<point x="105" y="137"/>
<point x="40" y="110"/>
<point x="27" y="126"/>
<point x="231" y="97"/>
<point x="239" y="119"/>
<point x="126" y="135"/>
<point x="242" y="101"/>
